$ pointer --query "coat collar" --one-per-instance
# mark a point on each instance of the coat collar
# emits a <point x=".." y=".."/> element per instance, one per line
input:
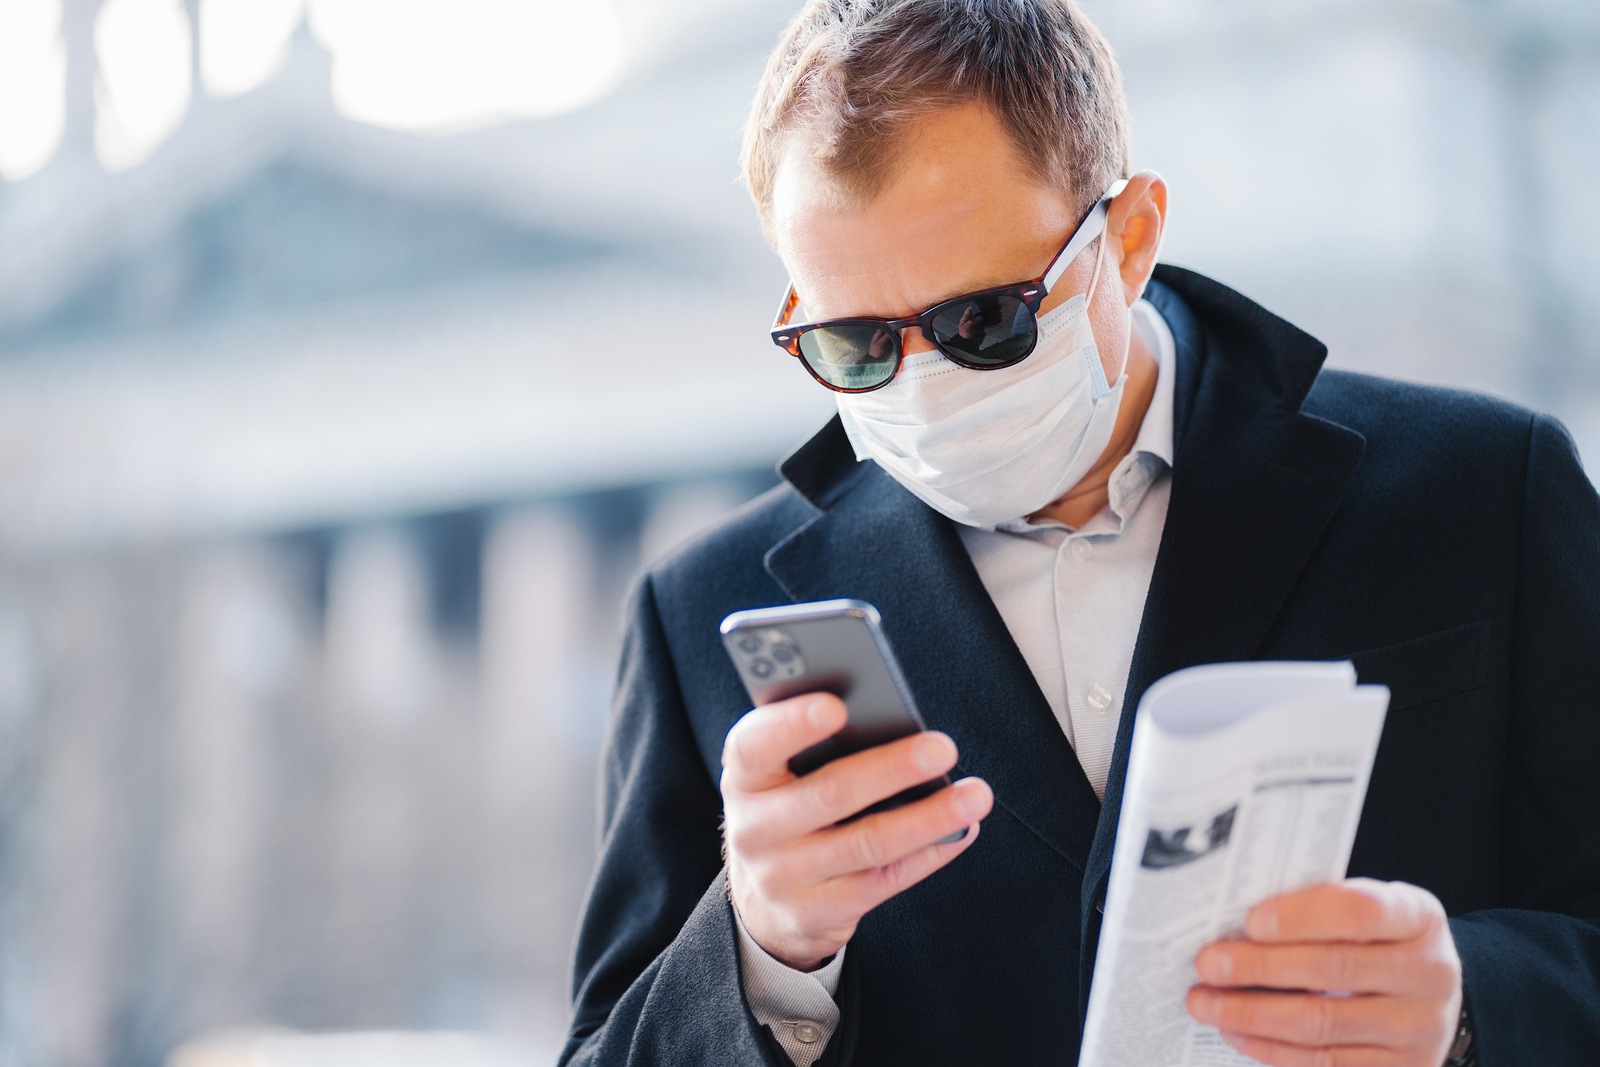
<point x="1255" y="482"/>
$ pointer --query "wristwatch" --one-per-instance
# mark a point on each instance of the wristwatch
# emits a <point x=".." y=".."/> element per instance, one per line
<point x="1462" y="1053"/>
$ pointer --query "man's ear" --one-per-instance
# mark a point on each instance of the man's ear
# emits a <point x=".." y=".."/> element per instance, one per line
<point x="1134" y="225"/>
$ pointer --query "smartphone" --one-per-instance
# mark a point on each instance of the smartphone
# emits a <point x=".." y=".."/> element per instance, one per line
<point x="838" y="647"/>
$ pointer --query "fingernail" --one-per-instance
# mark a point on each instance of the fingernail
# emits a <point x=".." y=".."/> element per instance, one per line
<point x="1262" y="925"/>
<point x="972" y="798"/>
<point x="933" y="753"/>
<point x="1203" y="1006"/>
<point x="1214" y="965"/>
<point x="820" y="712"/>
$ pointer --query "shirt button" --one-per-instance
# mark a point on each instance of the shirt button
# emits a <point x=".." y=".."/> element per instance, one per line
<point x="1082" y="549"/>
<point x="807" y="1033"/>
<point x="1100" y="699"/>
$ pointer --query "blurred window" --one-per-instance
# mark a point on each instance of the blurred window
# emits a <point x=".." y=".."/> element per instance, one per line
<point x="145" y="54"/>
<point x="243" y="43"/>
<point x="33" y="85"/>
<point x="425" y="65"/>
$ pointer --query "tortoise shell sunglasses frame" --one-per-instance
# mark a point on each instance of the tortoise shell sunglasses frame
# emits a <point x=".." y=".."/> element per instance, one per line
<point x="1030" y="293"/>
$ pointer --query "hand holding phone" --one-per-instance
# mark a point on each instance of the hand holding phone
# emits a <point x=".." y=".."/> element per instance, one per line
<point x="838" y="647"/>
<point x="826" y="784"/>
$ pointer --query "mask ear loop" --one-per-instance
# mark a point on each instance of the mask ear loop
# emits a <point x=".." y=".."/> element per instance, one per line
<point x="1094" y="279"/>
<point x="1088" y="303"/>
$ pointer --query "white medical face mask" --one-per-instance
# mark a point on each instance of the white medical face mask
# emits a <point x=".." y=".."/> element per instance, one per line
<point x="986" y="447"/>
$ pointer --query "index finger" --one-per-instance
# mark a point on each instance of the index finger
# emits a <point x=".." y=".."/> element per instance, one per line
<point x="1356" y="909"/>
<point x="756" y="753"/>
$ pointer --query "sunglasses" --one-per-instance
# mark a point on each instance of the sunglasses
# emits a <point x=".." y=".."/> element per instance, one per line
<point x="981" y="331"/>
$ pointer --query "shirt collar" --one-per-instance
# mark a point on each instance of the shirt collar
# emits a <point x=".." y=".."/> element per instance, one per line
<point x="1155" y="433"/>
<point x="1152" y="449"/>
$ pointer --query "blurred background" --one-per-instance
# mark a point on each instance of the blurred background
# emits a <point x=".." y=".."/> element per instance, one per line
<point x="355" y="353"/>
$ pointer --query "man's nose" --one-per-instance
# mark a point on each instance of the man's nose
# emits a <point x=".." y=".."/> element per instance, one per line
<point x="912" y="341"/>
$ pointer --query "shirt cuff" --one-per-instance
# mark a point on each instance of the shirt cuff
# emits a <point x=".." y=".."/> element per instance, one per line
<point x="797" y="1006"/>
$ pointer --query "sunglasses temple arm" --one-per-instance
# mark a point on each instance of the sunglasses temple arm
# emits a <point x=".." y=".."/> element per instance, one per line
<point x="1093" y="226"/>
<point x="791" y="300"/>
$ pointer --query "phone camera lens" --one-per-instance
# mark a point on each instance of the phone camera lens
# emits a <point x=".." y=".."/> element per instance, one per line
<point x="782" y="653"/>
<point x="750" y="643"/>
<point x="761" y="668"/>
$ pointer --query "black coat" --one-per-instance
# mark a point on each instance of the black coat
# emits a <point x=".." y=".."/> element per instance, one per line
<point x="1448" y="543"/>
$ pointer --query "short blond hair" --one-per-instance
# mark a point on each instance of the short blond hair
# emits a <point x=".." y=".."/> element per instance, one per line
<point x="853" y="76"/>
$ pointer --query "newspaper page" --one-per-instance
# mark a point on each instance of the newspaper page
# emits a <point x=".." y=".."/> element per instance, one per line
<point x="1245" y="780"/>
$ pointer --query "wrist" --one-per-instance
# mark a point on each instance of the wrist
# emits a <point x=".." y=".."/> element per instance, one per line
<point x="800" y="960"/>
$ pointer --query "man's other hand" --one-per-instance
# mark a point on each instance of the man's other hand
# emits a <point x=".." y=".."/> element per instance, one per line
<point x="1384" y="944"/>
<point x="800" y="882"/>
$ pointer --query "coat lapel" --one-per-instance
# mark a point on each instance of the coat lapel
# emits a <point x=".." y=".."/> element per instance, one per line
<point x="874" y="541"/>
<point x="1255" y="482"/>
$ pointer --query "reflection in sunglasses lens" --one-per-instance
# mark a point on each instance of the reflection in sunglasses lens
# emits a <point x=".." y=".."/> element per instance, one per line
<point x="850" y="356"/>
<point x="992" y="330"/>
<point x="985" y="331"/>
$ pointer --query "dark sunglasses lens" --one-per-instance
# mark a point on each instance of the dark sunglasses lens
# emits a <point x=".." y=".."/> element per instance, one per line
<point x="851" y="356"/>
<point x="985" y="331"/>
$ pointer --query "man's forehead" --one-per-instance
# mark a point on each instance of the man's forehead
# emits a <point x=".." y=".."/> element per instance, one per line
<point x="923" y="183"/>
<point x="936" y="230"/>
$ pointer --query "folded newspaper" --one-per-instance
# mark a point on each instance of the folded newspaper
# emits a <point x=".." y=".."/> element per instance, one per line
<point x="1245" y="780"/>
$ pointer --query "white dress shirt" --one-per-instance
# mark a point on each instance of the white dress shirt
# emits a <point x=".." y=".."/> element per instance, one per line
<point x="1072" y="601"/>
<point x="797" y="1006"/>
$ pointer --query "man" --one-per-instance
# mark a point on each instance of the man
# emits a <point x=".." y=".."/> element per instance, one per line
<point x="1053" y="504"/>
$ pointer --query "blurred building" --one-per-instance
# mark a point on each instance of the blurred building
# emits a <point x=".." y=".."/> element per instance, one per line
<point x="332" y="429"/>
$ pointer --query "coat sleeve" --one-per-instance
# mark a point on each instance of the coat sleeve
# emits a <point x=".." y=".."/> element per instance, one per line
<point x="1532" y="969"/>
<point x="656" y="970"/>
